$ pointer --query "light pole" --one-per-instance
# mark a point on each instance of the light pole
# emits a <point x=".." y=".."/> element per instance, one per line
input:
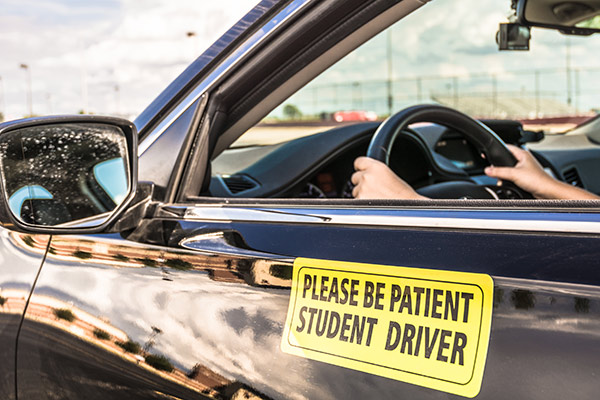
<point x="194" y="40"/>
<point x="29" y="91"/>
<point x="84" y="81"/>
<point x="118" y="99"/>
<point x="49" y="103"/>
<point x="390" y="71"/>
<point x="568" y="62"/>
<point x="2" y="115"/>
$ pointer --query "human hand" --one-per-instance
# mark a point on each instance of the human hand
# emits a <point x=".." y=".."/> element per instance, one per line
<point x="529" y="175"/>
<point x="375" y="180"/>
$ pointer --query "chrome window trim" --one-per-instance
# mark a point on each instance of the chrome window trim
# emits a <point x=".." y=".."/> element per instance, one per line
<point x="494" y="220"/>
<point x="251" y="43"/>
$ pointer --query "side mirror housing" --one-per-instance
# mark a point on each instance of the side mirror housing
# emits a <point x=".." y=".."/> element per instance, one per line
<point x="66" y="174"/>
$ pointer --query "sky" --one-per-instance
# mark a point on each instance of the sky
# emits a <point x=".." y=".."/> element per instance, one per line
<point x="113" y="57"/>
<point x="448" y="39"/>
<point x="110" y="57"/>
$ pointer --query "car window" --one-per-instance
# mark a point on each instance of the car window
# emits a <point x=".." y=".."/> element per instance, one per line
<point x="428" y="58"/>
<point x="112" y="177"/>
<point x="27" y="192"/>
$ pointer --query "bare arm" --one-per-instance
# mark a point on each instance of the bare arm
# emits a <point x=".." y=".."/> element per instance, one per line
<point x="529" y="175"/>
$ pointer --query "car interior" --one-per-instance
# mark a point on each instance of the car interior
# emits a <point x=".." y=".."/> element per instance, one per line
<point x="439" y="160"/>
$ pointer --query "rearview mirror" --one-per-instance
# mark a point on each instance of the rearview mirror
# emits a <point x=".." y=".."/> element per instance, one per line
<point x="513" y="37"/>
<point x="66" y="173"/>
<point x="580" y="17"/>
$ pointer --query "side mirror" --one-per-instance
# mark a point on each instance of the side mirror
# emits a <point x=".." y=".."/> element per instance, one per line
<point x="71" y="174"/>
<point x="580" y="17"/>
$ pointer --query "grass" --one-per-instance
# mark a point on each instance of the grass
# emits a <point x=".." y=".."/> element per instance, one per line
<point x="84" y="255"/>
<point x="64" y="313"/>
<point x="100" y="334"/>
<point x="177" y="263"/>
<point x="159" y="362"/>
<point x="121" y="257"/>
<point x="148" y="262"/>
<point x="130" y="346"/>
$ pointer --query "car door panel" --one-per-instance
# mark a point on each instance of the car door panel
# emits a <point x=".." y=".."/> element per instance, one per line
<point x="21" y="259"/>
<point x="212" y="297"/>
<point x="546" y="285"/>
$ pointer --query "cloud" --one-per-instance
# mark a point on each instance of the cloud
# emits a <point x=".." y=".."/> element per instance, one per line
<point x="446" y="39"/>
<point x="136" y="46"/>
<point x="128" y="51"/>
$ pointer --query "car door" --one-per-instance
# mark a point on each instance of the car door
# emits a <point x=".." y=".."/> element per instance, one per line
<point x="202" y="311"/>
<point x="21" y="257"/>
<point x="542" y="264"/>
<point x="193" y="299"/>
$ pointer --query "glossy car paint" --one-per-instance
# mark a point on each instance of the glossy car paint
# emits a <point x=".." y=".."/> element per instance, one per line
<point x="223" y="315"/>
<point x="210" y="293"/>
<point x="21" y="257"/>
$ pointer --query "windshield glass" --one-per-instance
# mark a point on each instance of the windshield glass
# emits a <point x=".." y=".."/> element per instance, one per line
<point x="431" y="58"/>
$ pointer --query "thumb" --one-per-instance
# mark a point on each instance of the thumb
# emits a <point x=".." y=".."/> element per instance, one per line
<point x="507" y="173"/>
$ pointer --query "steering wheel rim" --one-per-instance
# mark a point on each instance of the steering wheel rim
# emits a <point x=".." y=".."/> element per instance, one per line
<point x="483" y="137"/>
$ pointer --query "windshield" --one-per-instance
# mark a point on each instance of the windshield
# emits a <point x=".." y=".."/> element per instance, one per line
<point x="446" y="53"/>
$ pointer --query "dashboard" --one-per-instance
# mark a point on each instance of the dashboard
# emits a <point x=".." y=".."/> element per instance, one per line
<point x="320" y="165"/>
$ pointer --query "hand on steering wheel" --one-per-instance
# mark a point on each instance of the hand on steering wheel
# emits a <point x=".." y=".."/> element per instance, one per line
<point x="480" y="135"/>
<point x="375" y="180"/>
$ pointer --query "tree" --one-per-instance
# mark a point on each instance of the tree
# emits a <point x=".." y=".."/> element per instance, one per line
<point x="290" y="111"/>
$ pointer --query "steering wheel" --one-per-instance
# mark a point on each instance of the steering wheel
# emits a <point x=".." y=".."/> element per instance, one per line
<point x="484" y="139"/>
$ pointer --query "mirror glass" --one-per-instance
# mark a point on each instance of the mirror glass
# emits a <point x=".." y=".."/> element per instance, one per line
<point x="568" y="14"/>
<point x="70" y="174"/>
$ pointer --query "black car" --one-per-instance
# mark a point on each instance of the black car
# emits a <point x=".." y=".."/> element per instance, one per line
<point x="201" y="253"/>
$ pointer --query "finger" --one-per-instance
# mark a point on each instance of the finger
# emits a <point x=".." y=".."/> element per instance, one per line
<point x="356" y="177"/>
<point x="518" y="152"/>
<point x="355" y="192"/>
<point x="361" y="163"/>
<point x="507" y="173"/>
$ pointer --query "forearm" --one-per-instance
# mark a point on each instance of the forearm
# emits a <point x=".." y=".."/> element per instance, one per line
<point x="564" y="191"/>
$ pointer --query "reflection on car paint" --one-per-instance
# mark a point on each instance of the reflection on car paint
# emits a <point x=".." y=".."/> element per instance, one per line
<point x="116" y="279"/>
<point x="218" y="320"/>
<point x="20" y="266"/>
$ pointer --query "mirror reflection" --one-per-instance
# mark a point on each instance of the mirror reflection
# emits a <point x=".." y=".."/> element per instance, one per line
<point x="57" y="174"/>
<point x="577" y="14"/>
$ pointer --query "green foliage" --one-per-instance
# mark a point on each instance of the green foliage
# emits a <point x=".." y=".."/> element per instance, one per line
<point x="2" y="301"/>
<point x="64" y="313"/>
<point x="84" y="255"/>
<point x="177" y="263"/>
<point x="148" y="262"/>
<point x="100" y="334"/>
<point x="291" y="111"/>
<point x="582" y="305"/>
<point x="121" y="257"/>
<point x="130" y="346"/>
<point x="159" y="362"/>
<point x="28" y="241"/>
<point x="590" y="23"/>
<point x="281" y="271"/>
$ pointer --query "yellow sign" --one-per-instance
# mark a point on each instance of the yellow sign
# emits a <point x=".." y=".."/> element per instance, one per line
<point x="421" y="326"/>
